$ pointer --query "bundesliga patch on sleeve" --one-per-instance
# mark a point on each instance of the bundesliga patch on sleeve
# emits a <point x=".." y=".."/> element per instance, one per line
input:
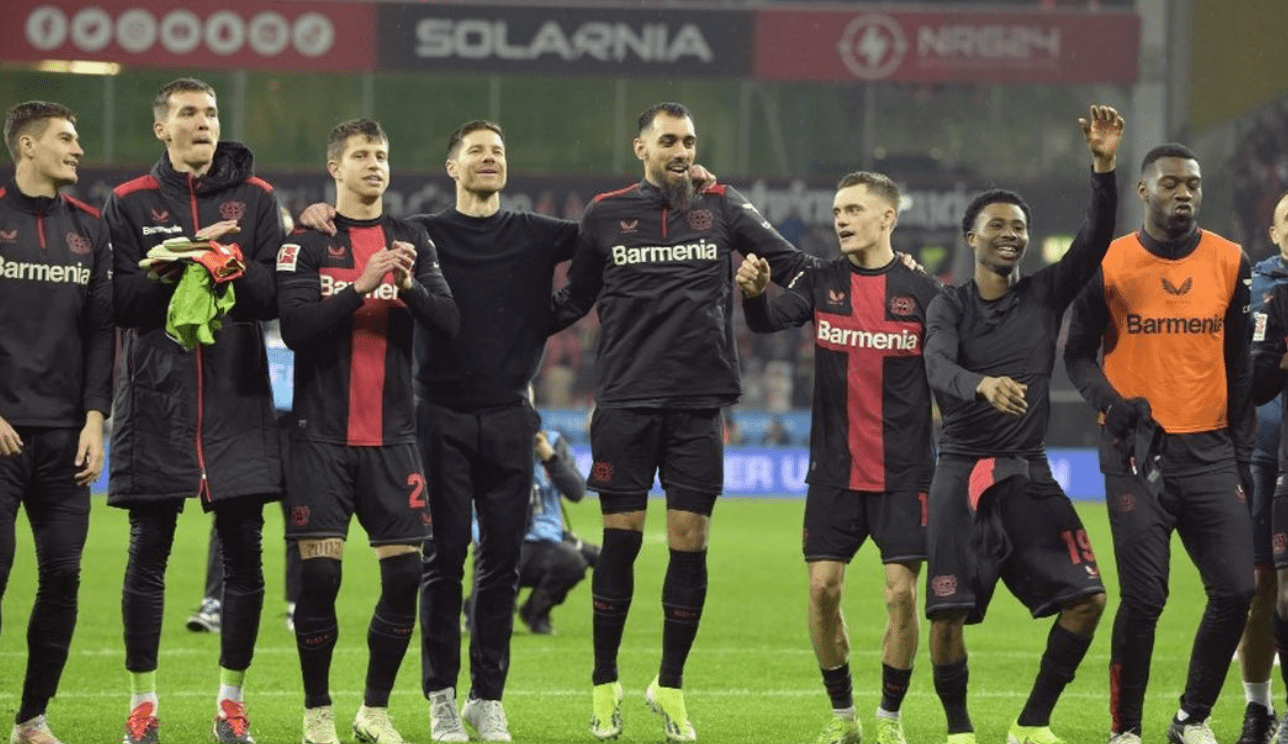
<point x="287" y="256"/>
<point x="1258" y="327"/>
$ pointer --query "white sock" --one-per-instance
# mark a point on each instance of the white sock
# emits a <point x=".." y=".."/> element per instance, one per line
<point x="883" y="713"/>
<point x="846" y="713"/>
<point x="228" y="692"/>
<point x="140" y="698"/>
<point x="1258" y="692"/>
<point x="1182" y="716"/>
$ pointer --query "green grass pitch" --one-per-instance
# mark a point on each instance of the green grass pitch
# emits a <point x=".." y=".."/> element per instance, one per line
<point x="751" y="676"/>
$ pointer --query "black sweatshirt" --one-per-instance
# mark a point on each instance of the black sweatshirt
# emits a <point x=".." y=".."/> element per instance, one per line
<point x="501" y="271"/>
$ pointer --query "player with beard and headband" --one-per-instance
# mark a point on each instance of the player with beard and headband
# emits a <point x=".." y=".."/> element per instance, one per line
<point x="871" y="455"/>
<point x="56" y="362"/>
<point x="658" y="258"/>
<point x="1170" y="308"/>
<point x="996" y="512"/>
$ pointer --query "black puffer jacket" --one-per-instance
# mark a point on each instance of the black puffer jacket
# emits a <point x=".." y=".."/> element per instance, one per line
<point x="196" y="423"/>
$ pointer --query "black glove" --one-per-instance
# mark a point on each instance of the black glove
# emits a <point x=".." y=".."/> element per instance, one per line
<point x="1122" y="416"/>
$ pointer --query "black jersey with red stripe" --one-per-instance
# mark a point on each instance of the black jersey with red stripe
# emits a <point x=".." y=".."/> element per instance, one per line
<point x="663" y="280"/>
<point x="353" y="353"/>
<point x="871" y="426"/>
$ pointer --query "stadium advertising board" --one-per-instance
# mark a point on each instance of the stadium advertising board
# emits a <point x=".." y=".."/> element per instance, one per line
<point x="200" y="34"/>
<point x="867" y="45"/>
<point x="564" y="40"/>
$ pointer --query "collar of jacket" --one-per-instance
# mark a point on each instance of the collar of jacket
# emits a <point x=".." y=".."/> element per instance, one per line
<point x="29" y="204"/>
<point x="233" y="164"/>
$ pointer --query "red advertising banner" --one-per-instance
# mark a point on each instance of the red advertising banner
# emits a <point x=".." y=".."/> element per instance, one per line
<point x="195" y="33"/>
<point x="1032" y="47"/>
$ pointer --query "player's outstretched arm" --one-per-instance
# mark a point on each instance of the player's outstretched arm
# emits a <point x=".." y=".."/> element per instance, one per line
<point x="1103" y="131"/>
<point x="764" y="314"/>
<point x="585" y="278"/>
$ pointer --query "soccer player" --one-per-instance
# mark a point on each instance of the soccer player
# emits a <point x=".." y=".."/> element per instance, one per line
<point x="996" y="512"/>
<point x="57" y="368"/>
<point x="348" y="305"/>
<point x="193" y="424"/>
<point x="1257" y="647"/>
<point x="1171" y="305"/>
<point x="871" y="456"/>
<point x="658" y="256"/>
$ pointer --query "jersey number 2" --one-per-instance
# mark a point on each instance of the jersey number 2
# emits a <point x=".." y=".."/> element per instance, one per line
<point x="417" y="498"/>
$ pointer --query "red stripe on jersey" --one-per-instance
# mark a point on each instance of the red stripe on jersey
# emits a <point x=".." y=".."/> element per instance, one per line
<point x="867" y="338"/>
<point x="866" y="383"/>
<point x="257" y="181"/>
<point x="138" y="184"/>
<point x="982" y="477"/>
<point x="611" y="194"/>
<point x="370" y="349"/>
<point x="78" y="204"/>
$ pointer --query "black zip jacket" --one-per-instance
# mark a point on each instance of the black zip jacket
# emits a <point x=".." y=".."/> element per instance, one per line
<point x="664" y="283"/>
<point x="196" y="423"/>
<point x="56" y="335"/>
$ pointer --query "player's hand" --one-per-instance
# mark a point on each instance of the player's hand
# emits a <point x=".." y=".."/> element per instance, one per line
<point x="1246" y="481"/>
<point x="702" y="178"/>
<point x="89" y="449"/>
<point x="1283" y="362"/>
<point x="1103" y="130"/>
<point x="381" y="264"/>
<point x="406" y="255"/>
<point x="1004" y="394"/>
<point x="10" y="442"/>
<point x="320" y="217"/>
<point x="753" y="276"/>
<point x="541" y="447"/>
<point x="217" y="230"/>
<point x="1122" y="416"/>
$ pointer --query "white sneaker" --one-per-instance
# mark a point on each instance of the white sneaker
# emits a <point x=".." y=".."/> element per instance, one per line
<point x="319" y="726"/>
<point x="1125" y="737"/>
<point x="487" y="718"/>
<point x="1190" y="733"/>
<point x="444" y="721"/>
<point x="373" y="726"/>
<point x="33" y="731"/>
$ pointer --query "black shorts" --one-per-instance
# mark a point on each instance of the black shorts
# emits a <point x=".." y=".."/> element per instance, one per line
<point x="684" y="447"/>
<point x="1261" y="506"/>
<point x="838" y="521"/>
<point x="327" y="484"/>
<point x="1050" y="562"/>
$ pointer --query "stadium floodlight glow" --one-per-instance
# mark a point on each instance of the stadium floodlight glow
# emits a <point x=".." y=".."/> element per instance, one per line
<point x="79" y="67"/>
